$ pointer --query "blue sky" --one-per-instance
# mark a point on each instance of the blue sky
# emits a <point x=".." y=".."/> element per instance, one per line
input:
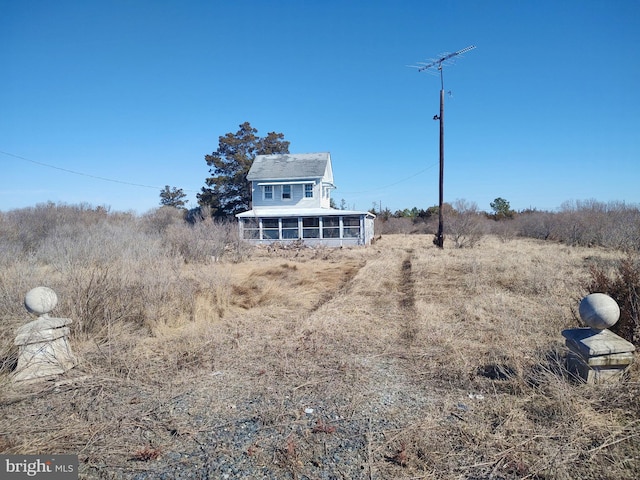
<point x="546" y="109"/>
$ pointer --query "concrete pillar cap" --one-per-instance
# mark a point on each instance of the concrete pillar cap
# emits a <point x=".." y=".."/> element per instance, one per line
<point x="40" y="300"/>
<point x="599" y="311"/>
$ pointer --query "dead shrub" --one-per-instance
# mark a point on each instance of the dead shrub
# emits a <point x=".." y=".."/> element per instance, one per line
<point x="160" y="219"/>
<point x="534" y="224"/>
<point x="464" y="224"/>
<point x="207" y="241"/>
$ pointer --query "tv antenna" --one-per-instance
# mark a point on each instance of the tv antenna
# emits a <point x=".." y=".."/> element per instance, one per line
<point x="439" y="240"/>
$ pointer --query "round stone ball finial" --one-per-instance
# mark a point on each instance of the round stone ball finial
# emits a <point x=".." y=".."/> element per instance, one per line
<point x="40" y="300"/>
<point x="599" y="311"/>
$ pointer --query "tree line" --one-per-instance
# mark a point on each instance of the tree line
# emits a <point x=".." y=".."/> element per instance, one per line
<point x="500" y="207"/>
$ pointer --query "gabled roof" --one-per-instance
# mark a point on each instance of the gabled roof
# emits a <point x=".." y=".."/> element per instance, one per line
<point x="289" y="166"/>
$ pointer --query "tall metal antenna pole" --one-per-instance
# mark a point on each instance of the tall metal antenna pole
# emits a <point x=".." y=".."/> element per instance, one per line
<point x="439" y="240"/>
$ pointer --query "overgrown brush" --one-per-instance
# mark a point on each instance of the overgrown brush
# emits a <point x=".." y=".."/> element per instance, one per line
<point x="107" y="268"/>
<point x="585" y="223"/>
<point x="206" y="240"/>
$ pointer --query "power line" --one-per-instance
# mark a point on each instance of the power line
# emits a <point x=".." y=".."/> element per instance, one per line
<point x="105" y="179"/>
<point x="394" y="183"/>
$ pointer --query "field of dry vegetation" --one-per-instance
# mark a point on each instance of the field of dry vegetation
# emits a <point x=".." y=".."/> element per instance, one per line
<point x="201" y="357"/>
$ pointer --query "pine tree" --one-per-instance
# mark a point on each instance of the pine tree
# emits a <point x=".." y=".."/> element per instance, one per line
<point x="227" y="191"/>
<point x="173" y="197"/>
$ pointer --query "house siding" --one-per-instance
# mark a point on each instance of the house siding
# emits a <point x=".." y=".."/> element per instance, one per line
<point x="298" y="199"/>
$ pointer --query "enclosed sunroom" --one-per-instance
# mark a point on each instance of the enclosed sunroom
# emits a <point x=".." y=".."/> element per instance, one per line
<point x="328" y="227"/>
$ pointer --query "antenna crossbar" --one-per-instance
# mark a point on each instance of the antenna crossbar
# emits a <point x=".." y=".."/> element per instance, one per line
<point x="443" y="59"/>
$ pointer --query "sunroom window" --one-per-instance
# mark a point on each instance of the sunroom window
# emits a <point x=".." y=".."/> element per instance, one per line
<point x="290" y="228"/>
<point x="311" y="227"/>
<point x="251" y="228"/>
<point x="351" y="227"/>
<point x="330" y="227"/>
<point x="270" y="228"/>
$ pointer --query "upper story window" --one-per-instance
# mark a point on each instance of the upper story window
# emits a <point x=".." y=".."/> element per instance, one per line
<point x="286" y="192"/>
<point x="308" y="190"/>
<point x="268" y="192"/>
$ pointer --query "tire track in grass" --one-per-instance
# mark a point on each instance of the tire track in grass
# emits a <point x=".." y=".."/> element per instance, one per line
<point x="349" y="271"/>
<point x="407" y="300"/>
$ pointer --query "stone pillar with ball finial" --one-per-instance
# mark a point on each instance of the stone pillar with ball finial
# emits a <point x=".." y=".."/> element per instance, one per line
<point x="44" y="349"/>
<point x="596" y="354"/>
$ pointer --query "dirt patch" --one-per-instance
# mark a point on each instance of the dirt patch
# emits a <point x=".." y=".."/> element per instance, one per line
<point x="302" y="285"/>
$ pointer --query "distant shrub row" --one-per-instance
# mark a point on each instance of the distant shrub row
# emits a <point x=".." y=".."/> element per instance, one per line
<point x="585" y="223"/>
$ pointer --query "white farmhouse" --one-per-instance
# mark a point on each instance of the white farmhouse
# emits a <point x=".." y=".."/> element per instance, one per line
<point x="291" y="195"/>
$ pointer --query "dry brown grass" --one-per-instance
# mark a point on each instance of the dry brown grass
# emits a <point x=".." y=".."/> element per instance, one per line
<point x="417" y="363"/>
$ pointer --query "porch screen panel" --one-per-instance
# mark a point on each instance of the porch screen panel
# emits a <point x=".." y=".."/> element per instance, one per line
<point x="250" y="229"/>
<point x="270" y="228"/>
<point x="351" y="227"/>
<point x="330" y="227"/>
<point x="290" y="228"/>
<point x="311" y="227"/>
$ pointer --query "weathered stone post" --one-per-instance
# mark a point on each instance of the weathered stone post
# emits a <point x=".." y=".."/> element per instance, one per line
<point x="598" y="355"/>
<point x="44" y="349"/>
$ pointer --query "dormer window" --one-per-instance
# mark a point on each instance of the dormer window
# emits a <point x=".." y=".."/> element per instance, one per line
<point x="308" y="190"/>
<point x="286" y="192"/>
<point x="268" y="192"/>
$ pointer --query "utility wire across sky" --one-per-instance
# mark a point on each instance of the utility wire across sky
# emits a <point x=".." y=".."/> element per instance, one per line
<point x="394" y="183"/>
<point x="74" y="172"/>
<point x="106" y="179"/>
